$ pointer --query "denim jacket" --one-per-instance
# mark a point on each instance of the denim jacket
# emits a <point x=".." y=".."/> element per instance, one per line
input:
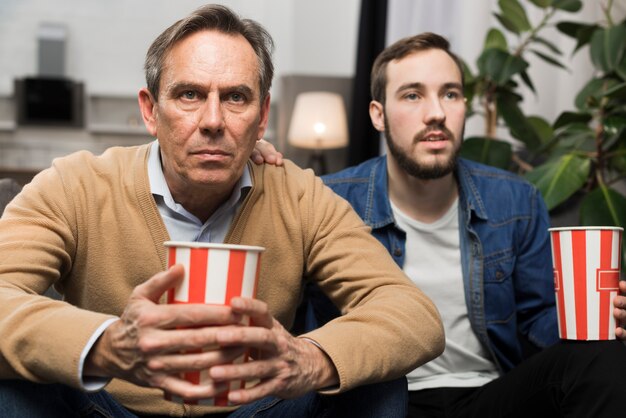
<point x="505" y="250"/>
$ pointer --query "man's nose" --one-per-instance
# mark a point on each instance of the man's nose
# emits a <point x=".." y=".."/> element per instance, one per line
<point x="435" y="112"/>
<point x="211" y="116"/>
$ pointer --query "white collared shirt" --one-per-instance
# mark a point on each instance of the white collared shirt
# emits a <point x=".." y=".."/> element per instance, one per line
<point x="181" y="224"/>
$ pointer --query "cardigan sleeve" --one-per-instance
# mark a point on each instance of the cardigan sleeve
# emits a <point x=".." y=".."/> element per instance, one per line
<point x="389" y="326"/>
<point x="41" y="339"/>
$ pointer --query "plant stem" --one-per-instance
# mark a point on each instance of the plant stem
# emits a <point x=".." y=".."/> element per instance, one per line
<point x="523" y="165"/>
<point x="533" y="32"/>
<point x="599" y="136"/>
<point x="607" y="13"/>
<point x="491" y="112"/>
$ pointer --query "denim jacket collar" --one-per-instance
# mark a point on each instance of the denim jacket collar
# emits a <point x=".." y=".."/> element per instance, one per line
<point x="378" y="211"/>
<point x="468" y="191"/>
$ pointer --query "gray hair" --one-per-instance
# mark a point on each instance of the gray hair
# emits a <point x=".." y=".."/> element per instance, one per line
<point x="211" y="17"/>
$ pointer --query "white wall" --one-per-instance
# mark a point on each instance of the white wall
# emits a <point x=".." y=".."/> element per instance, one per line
<point x="107" y="39"/>
<point x="106" y="44"/>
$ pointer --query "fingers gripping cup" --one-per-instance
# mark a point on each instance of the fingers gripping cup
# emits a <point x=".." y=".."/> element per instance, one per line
<point x="586" y="263"/>
<point x="214" y="274"/>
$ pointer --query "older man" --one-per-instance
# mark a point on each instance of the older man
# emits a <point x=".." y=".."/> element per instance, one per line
<point x="94" y="227"/>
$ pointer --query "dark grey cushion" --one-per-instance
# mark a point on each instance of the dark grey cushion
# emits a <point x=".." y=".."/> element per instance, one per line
<point x="9" y="188"/>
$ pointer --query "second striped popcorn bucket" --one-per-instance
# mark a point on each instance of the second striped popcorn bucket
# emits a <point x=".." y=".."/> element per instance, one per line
<point x="586" y="263"/>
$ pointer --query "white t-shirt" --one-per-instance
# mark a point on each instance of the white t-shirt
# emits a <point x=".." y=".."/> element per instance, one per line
<point x="433" y="263"/>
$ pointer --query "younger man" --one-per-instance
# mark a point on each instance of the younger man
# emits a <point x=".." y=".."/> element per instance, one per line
<point x="475" y="239"/>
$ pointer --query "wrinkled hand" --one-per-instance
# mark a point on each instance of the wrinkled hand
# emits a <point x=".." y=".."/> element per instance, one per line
<point x="620" y="311"/>
<point x="287" y="366"/>
<point x="145" y="347"/>
<point x="265" y="152"/>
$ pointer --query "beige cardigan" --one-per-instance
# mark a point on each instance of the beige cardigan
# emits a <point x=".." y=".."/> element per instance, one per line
<point x="90" y="226"/>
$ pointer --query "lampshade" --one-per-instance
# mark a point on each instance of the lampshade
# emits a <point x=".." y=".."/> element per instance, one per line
<point x="318" y="121"/>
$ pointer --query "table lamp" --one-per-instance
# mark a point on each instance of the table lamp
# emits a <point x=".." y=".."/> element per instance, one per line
<point x="318" y="123"/>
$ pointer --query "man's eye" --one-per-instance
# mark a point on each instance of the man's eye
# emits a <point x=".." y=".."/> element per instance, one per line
<point x="411" y="96"/>
<point x="237" y="97"/>
<point x="189" y="95"/>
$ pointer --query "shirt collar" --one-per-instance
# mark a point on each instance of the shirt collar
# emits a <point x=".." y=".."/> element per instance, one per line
<point x="158" y="184"/>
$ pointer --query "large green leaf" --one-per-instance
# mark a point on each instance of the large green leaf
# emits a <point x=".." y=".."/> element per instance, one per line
<point x="551" y="46"/>
<point x="507" y="23"/>
<point x="603" y="207"/>
<point x="580" y="31"/>
<point x="560" y="179"/>
<point x="614" y="132"/>
<point x="607" y="47"/>
<point x="518" y="124"/>
<point x="615" y="137"/>
<point x="621" y="68"/>
<point x="590" y="93"/>
<point x="616" y="91"/>
<point x="495" y="39"/>
<point x="526" y="79"/>
<point x="487" y="151"/>
<point x="598" y="89"/>
<point x="548" y="59"/>
<point x="618" y="161"/>
<point x="542" y="128"/>
<point x="575" y="137"/>
<point x="568" y="5"/>
<point x="572" y="29"/>
<point x="613" y="124"/>
<point x="514" y="12"/>
<point x="567" y="118"/>
<point x="499" y="66"/>
<point x="544" y="4"/>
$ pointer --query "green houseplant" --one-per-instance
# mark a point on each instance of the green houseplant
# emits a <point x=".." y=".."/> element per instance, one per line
<point x="582" y="154"/>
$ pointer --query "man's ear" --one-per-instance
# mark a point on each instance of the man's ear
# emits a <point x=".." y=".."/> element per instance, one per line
<point x="264" y="117"/>
<point x="377" y="115"/>
<point x="147" y="106"/>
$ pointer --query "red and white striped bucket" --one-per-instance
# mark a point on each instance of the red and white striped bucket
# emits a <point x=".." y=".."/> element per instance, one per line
<point x="214" y="274"/>
<point x="586" y="263"/>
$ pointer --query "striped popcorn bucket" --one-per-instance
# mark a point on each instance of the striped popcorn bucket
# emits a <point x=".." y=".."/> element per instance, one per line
<point x="214" y="274"/>
<point x="586" y="263"/>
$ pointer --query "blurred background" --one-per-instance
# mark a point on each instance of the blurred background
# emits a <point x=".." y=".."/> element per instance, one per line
<point x="89" y="54"/>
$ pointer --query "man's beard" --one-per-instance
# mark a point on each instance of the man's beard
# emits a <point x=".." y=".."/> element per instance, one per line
<point x="412" y="166"/>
